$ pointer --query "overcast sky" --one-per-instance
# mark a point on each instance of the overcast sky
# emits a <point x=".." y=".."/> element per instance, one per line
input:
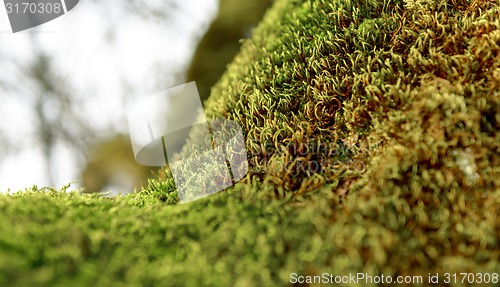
<point x="142" y="54"/>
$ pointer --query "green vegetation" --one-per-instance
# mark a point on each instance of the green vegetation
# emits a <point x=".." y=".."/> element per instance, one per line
<point x="399" y="103"/>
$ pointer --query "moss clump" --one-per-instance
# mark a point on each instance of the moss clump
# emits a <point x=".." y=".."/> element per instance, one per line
<point x="339" y="73"/>
<point x="371" y="130"/>
<point x="393" y="107"/>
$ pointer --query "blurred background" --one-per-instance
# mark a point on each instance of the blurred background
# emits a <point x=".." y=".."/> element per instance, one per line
<point x="65" y="86"/>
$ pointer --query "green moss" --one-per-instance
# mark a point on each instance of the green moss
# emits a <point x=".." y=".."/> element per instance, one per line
<point x="60" y="239"/>
<point x="397" y="101"/>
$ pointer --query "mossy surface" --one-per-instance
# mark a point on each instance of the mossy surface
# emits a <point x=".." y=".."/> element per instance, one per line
<point x="372" y="135"/>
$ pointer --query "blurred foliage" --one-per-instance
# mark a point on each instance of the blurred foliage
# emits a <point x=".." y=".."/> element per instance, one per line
<point x="52" y="109"/>
<point x="234" y="22"/>
<point x="55" y="110"/>
<point x="403" y="98"/>
<point x="111" y="164"/>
